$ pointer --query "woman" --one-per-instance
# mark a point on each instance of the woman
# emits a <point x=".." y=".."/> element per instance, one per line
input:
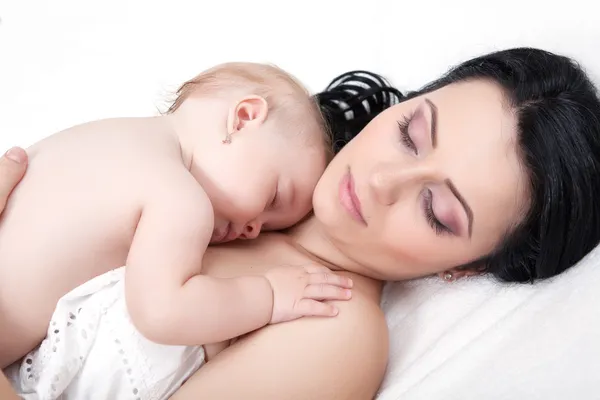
<point x="492" y="168"/>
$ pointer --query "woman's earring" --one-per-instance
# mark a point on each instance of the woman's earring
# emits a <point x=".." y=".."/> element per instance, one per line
<point x="448" y="276"/>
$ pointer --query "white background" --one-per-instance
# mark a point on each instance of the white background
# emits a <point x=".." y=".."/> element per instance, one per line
<point x="63" y="62"/>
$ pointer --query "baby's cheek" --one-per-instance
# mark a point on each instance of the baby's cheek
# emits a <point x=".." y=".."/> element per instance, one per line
<point x="254" y="207"/>
<point x="291" y="218"/>
<point x="303" y="207"/>
<point x="247" y="207"/>
<point x="311" y="179"/>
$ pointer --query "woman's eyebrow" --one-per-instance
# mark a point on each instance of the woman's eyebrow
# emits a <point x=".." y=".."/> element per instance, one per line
<point x="463" y="202"/>
<point x="433" y="127"/>
<point x="448" y="182"/>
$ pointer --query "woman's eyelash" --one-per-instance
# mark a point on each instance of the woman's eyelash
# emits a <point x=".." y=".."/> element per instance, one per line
<point x="405" y="136"/>
<point x="432" y="220"/>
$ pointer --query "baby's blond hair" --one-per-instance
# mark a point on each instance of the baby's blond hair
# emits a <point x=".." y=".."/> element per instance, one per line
<point x="285" y="95"/>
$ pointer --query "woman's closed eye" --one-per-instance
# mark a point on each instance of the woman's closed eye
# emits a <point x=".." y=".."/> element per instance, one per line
<point x="432" y="219"/>
<point x="405" y="138"/>
<point x="430" y="216"/>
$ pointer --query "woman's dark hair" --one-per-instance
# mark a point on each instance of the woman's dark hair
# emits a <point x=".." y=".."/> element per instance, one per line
<point x="351" y="101"/>
<point x="558" y="123"/>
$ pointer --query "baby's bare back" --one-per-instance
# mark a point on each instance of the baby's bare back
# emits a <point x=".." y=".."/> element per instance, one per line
<point x="72" y="217"/>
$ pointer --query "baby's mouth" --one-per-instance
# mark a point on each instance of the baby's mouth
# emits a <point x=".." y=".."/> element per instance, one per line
<point x="226" y="234"/>
<point x="220" y="234"/>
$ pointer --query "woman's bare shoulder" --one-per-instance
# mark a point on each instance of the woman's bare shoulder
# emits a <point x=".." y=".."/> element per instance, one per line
<point x="326" y="358"/>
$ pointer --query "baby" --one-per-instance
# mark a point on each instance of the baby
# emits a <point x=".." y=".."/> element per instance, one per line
<point x="240" y="150"/>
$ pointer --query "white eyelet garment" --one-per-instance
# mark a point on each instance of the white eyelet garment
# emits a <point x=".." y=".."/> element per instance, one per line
<point x="93" y="351"/>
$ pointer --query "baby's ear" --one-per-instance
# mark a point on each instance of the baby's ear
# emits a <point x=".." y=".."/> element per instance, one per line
<point x="251" y="111"/>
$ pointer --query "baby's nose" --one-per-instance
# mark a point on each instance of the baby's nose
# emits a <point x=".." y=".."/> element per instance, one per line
<point x="251" y="230"/>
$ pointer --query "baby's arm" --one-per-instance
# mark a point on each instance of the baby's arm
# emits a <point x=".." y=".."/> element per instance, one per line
<point x="171" y="303"/>
<point x="168" y="300"/>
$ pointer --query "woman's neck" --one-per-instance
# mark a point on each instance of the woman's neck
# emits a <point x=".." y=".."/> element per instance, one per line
<point x="313" y="240"/>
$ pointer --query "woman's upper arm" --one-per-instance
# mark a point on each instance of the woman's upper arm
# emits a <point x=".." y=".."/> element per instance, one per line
<point x="311" y="358"/>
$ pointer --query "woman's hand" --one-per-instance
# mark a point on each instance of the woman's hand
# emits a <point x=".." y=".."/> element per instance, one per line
<point x="12" y="168"/>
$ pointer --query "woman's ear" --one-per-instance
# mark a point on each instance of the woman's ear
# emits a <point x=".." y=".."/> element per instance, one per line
<point x="250" y="111"/>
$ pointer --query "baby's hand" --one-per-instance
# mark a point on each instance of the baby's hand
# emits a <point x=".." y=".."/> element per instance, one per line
<point x="300" y="291"/>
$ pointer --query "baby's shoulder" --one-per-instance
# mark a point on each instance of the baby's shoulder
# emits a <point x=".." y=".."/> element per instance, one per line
<point x="119" y="148"/>
<point x="110" y="140"/>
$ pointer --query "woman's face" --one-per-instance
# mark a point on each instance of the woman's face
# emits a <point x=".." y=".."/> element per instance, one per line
<point x="430" y="184"/>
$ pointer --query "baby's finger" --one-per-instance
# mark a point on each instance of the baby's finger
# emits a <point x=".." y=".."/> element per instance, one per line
<point x="329" y="278"/>
<point x="315" y="269"/>
<point x="323" y="291"/>
<point x="313" y="308"/>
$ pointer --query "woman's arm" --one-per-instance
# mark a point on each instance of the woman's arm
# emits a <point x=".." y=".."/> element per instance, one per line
<point x="339" y="358"/>
<point x="12" y="168"/>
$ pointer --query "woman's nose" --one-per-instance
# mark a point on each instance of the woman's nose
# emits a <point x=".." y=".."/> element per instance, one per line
<point x="251" y="230"/>
<point x="389" y="181"/>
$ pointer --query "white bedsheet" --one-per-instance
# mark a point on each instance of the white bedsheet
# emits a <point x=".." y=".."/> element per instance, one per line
<point x="480" y="339"/>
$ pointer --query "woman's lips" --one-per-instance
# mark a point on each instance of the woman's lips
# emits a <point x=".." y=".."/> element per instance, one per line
<point x="349" y="199"/>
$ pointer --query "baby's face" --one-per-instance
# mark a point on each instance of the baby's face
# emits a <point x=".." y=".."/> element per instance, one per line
<point x="270" y="184"/>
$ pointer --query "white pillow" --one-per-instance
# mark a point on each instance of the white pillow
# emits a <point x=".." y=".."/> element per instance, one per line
<point x="481" y="339"/>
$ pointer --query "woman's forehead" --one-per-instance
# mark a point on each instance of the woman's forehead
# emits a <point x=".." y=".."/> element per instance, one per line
<point x="477" y="135"/>
<point x="481" y="103"/>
